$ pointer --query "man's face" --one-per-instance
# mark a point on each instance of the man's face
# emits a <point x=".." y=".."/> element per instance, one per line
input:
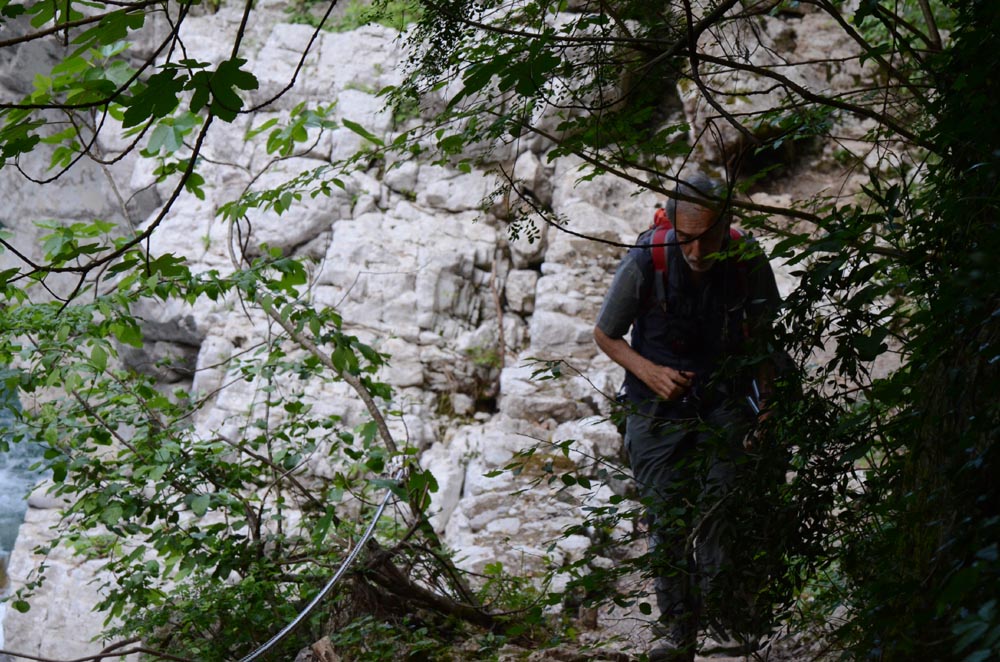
<point x="699" y="235"/>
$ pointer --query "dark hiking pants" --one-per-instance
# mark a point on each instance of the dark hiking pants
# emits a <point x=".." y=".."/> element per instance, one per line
<point x="685" y="467"/>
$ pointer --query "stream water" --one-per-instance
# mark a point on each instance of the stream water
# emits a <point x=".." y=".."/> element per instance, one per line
<point x="16" y="481"/>
<point x="16" y="477"/>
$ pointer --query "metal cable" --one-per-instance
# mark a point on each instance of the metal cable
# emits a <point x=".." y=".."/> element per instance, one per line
<point x="273" y="641"/>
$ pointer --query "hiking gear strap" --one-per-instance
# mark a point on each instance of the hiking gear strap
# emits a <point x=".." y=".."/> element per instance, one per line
<point x="659" y="249"/>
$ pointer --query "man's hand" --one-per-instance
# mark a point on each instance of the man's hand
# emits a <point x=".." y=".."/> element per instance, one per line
<point x="666" y="382"/>
<point x="755" y="438"/>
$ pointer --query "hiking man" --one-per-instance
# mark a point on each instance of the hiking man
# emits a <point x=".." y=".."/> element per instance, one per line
<point x="695" y="317"/>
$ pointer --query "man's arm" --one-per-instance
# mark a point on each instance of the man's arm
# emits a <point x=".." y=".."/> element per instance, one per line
<point x="621" y="305"/>
<point x="764" y="306"/>
<point x="666" y="382"/>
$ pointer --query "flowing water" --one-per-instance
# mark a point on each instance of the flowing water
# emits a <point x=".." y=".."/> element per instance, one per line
<point x="16" y="477"/>
<point x="16" y="480"/>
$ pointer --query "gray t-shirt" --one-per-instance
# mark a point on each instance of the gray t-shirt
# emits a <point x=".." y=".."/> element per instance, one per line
<point x="624" y="298"/>
<point x="694" y="329"/>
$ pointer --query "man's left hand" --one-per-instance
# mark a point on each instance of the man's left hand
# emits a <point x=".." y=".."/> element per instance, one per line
<point x="755" y="437"/>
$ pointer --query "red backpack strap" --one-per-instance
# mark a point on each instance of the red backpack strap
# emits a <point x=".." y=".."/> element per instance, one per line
<point x="659" y="252"/>
<point x="658" y="248"/>
<point x="660" y="218"/>
<point x="658" y="245"/>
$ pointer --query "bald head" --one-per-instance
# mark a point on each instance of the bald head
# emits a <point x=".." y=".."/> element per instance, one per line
<point x="708" y="191"/>
<point x="698" y="225"/>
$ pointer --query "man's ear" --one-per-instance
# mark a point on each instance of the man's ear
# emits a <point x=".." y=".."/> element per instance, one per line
<point x="724" y="222"/>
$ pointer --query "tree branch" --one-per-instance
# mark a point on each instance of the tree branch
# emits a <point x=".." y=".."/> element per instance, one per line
<point x="887" y="121"/>
<point x="932" y="28"/>
<point x="87" y="20"/>
<point x="121" y="88"/>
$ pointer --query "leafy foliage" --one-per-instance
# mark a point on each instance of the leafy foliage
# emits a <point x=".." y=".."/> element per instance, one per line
<point x="879" y="460"/>
<point x="396" y="14"/>
<point x="878" y="482"/>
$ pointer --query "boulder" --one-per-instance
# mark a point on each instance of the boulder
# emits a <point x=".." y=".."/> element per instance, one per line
<point x="454" y="193"/>
<point x="590" y="235"/>
<point x="542" y="402"/>
<point x="308" y="218"/>
<point x="56" y="627"/>
<point x="528" y="242"/>
<point x="519" y="291"/>
<point x="608" y="193"/>
<point x="557" y="335"/>
<point x="532" y="178"/>
<point x="447" y="462"/>
<point x="596" y="442"/>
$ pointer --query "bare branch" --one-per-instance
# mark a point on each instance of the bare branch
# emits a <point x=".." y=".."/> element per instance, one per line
<point x="932" y="28"/>
<point x="108" y="652"/>
<point x="889" y="122"/>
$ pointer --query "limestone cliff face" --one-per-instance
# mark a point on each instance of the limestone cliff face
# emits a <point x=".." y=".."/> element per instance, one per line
<point x="416" y="267"/>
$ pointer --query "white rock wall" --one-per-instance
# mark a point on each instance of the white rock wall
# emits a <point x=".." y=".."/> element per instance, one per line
<point x="415" y="266"/>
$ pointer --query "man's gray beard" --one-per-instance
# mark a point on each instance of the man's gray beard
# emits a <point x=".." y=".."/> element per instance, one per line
<point x="702" y="267"/>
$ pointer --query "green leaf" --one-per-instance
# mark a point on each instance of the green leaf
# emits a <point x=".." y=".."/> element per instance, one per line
<point x="200" y="503"/>
<point x="971" y="632"/>
<point x="293" y="274"/>
<point x="7" y="274"/>
<point x="194" y="184"/>
<point x="958" y="586"/>
<point x="865" y="9"/>
<point x="253" y="133"/>
<point x="219" y="89"/>
<point x="43" y="13"/>
<point x="169" y="266"/>
<point x="164" y="137"/>
<point x="112" y="514"/>
<point x="127" y="332"/>
<point x="9" y="10"/>
<point x="114" y="27"/>
<point x="452" y="144"/>
<point x="361" y="131"/>
<point x="71" y="65"/>
<point x="392" y="485"/>
<point x="99" y="358"/>
<point x="871" y="346"/>
<point x="59" y="471"/>
<point x="478" y="76"/>
<point x="118" y="72"/>
<point x="157" y="99"/>
<point x="344" y="359"/>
